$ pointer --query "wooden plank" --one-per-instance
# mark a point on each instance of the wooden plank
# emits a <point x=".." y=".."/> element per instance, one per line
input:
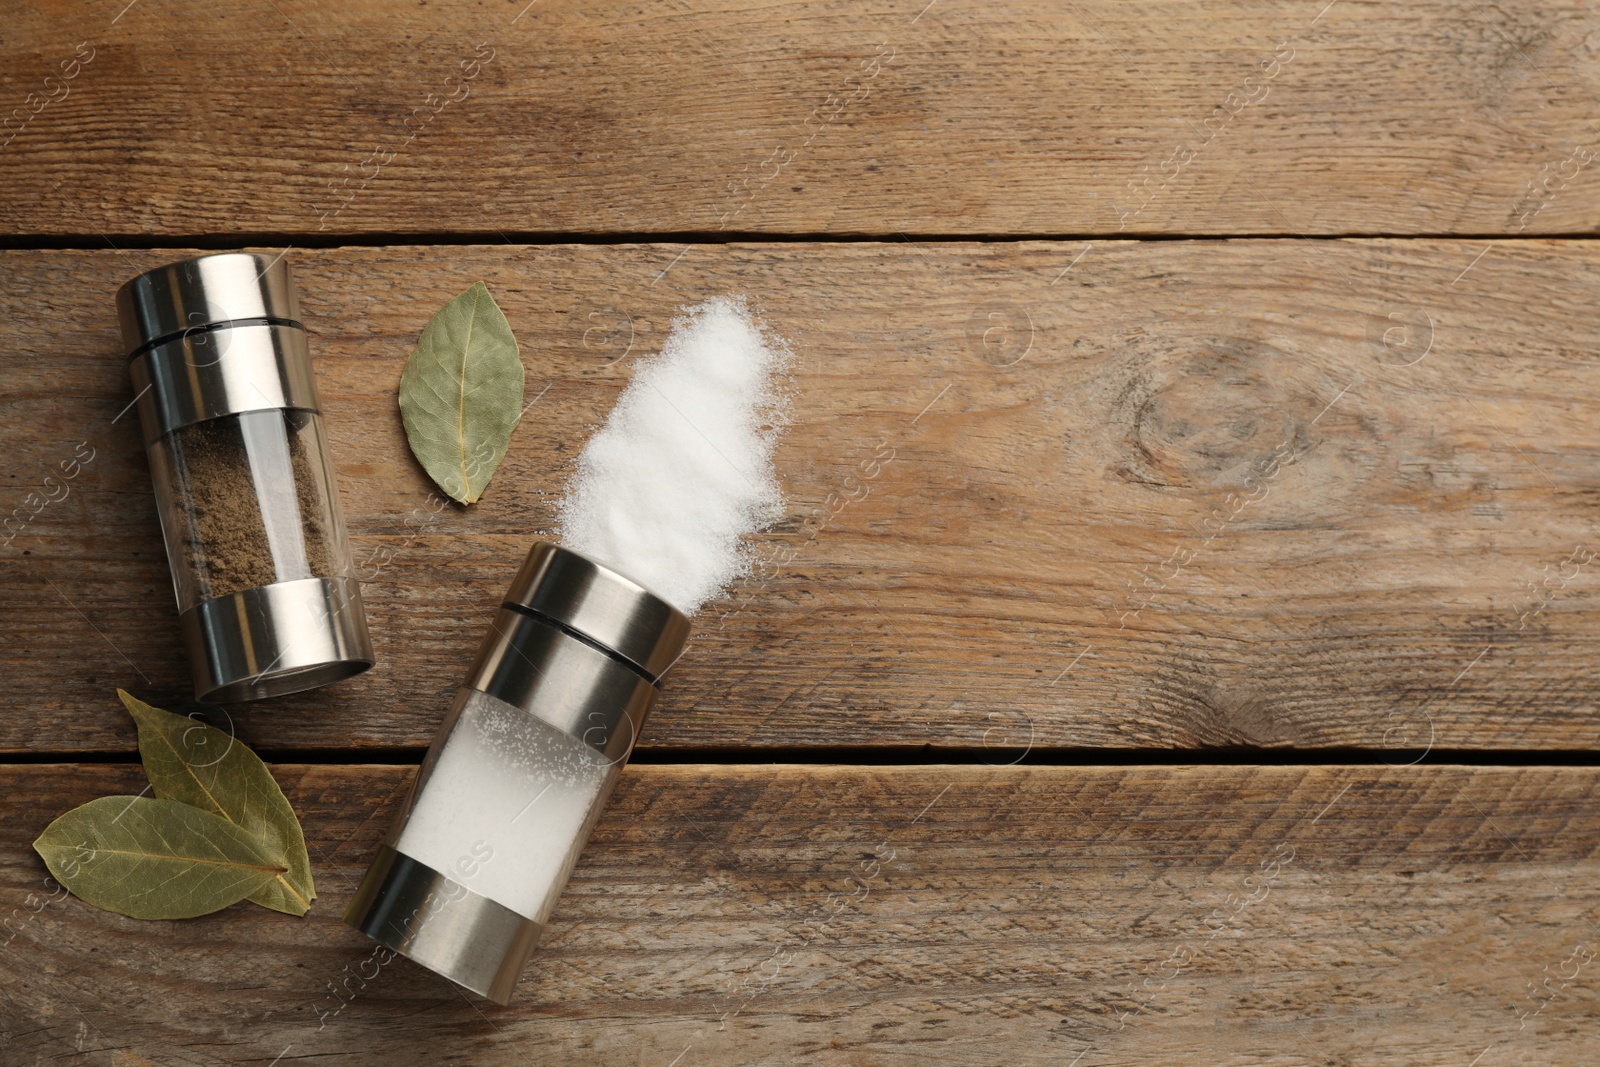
<point x="1221" y="493"/>
<point x="1242" y="916"/>
<point x="1023" y="117"/>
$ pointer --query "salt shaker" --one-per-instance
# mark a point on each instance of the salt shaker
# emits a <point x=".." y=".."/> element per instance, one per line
<point x="520" y="770"/>
<point x="249" y="509"/>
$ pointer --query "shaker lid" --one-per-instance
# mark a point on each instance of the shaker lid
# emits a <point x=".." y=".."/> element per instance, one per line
<point x="598" y="603"/>
<point x="205" y="291"/>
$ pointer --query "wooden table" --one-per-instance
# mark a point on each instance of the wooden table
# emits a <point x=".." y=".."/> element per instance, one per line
<point x="1188" y="585"/>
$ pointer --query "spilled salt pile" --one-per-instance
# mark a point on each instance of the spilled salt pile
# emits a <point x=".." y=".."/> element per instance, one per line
<point x="682" y="469"/>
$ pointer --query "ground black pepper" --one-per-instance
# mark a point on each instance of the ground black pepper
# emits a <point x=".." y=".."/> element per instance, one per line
<point x="225" y="540"/>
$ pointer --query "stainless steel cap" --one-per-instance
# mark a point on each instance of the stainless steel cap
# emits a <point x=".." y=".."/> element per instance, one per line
<point x="210" y="373"/>
<point x="542" y="669"/>
<point x="277" y="639"/>
<point x="206" y="291"/>
<point x="416" y="911"/>
<point x="602" y="605"/>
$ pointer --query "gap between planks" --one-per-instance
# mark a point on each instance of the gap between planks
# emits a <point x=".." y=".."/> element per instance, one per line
<point x="926" y="757"/>
<point x="378" y="239"/>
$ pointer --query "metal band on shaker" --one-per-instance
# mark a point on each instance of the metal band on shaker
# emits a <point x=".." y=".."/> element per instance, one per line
<point x="209" y="290"/>
<point x="609" y="608"/>
<point x="226" y="371"/>
<point x="440" y="923"/>
<point x="282" y="638"/>
<point x="571" y="685"/>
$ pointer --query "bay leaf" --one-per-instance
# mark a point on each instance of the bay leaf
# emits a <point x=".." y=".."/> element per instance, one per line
<point x="154" y="859"/>
<point x="461" y="394"/>
<point x="196" y="763"/>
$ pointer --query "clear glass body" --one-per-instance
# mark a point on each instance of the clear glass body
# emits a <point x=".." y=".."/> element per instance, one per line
<point x="247" y="500"/>
<point x="504" y="804"/>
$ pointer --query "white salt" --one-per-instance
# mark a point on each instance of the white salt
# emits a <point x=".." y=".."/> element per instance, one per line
<point x="682" y="469"/>
<point x="508" y="805"/>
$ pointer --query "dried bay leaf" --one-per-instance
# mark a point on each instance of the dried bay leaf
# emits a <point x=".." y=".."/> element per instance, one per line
<point x="154" y="859"/>
<point x="197" y="764"/>
<point x="461" y="394"/>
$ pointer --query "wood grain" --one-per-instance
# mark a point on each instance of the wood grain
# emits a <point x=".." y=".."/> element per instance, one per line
<point x="1257" y="493"/>
<point x="862" y="916"/>
<point x="1022" y="117"/>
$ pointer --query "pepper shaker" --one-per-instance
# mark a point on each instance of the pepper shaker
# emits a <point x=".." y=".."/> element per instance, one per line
<point x="249" y="508"/>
